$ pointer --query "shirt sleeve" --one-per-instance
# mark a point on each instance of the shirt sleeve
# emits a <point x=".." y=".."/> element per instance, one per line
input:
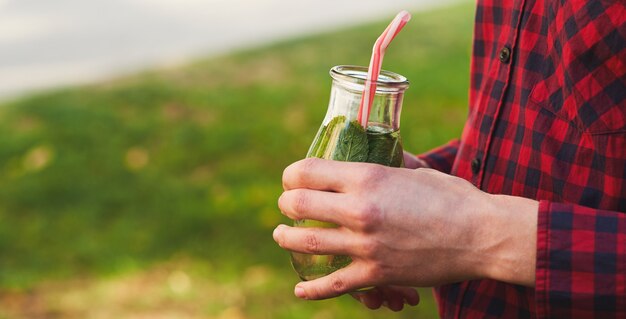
<point x="581" y="262"/>
<point x="442" y="158"/>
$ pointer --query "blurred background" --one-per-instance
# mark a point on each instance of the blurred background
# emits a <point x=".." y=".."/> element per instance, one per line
<point x="142" y="144"/>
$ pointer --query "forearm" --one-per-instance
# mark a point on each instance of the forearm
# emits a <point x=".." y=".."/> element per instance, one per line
<point x="574" y="256"/>
<point x="510" y="247"/>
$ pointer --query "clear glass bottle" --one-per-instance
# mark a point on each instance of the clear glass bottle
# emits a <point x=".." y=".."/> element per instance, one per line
<point x="342" y="138"/>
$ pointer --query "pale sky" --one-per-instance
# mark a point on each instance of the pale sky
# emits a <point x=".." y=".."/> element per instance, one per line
<point x="46" y="44"/>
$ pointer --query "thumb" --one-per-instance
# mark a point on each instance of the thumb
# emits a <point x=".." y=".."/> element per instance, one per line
<point x="348" y="279"/>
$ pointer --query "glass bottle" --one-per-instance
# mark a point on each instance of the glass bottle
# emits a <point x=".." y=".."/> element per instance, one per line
<point x="342" y="138"/>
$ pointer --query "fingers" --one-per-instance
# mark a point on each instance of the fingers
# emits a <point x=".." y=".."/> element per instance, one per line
<point x="327" y="175"/>
<point x="332" y="191"/>
<point x="313" y="173"/>
<point x="396" y="297"/>
<point x="316" y="241"/>
<point x="393" y="297"/>
<point x="372" y="299"/>
<point x="411" y="296"/>
<point x="330" y="207"/>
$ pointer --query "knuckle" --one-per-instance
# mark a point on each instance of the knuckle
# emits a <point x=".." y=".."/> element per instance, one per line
<point x="425" y="173"/>
<point x="300" y="201"/>
<point x="291" y="203"/>
<point x="308" y="164"/>
<point x="369" y="249"/>
<point x="295" y="173"/>
<point x="372" y="176"/>
<point x="377" y="272"/>
<point x="312" y="244"/>
<point x="374" y="272"/>
<point x="338" y="286"/>
<point x="302" y="168"/>
<point x="367" y="215"/>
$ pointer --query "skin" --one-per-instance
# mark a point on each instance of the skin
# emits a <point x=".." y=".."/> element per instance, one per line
<point x="404" y="228"/>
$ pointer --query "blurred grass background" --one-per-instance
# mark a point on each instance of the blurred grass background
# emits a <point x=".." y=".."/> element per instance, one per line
<point x="154" y="195"/>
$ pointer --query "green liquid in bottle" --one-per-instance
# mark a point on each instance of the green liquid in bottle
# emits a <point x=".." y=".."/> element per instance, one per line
<point x="346" y="141"/>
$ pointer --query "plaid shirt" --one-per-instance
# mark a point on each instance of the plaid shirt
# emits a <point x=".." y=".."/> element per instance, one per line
<point x="547" y="121"/>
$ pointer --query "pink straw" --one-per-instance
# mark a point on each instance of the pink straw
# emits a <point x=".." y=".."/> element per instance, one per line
<point x="378" y="53"/>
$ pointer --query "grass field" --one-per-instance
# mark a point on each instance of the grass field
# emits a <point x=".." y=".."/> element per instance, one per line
<point x="154" y="195"/>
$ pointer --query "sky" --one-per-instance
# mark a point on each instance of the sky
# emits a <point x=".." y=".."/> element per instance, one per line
<point x="47" y="44"/>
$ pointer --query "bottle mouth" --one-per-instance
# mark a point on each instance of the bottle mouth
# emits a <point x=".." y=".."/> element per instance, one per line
<point x="354" y="77"/>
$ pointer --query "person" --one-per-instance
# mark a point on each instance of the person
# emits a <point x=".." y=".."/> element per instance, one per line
<point x="524" y="215"/>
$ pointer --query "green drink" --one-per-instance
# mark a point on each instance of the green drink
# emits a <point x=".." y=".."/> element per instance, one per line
<point x="342" y="138"/>
<point x="346" y="141"/>
<point x="384" y="146"/>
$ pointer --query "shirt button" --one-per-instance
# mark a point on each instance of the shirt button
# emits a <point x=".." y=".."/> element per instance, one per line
<point x="505" y="55"/>
<point x="475" y="165"/>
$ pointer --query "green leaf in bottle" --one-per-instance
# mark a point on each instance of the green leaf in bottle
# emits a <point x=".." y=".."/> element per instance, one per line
<point x="385" y="146"/>
<point x="351" y="144"/>
<point x="340" y="140"/>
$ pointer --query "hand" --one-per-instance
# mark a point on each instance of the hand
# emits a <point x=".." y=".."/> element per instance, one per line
<point x="404" y="227"/>
<point x="393" y="297"/>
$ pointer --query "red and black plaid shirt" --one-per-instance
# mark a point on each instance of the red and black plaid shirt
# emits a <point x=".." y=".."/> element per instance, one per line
<point x="547" y="121"/>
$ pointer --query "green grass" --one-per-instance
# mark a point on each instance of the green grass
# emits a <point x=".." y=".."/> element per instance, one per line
<point x="116" y="178"/>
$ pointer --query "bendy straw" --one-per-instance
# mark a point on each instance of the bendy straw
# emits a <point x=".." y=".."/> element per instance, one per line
<point x="378" y="53"/>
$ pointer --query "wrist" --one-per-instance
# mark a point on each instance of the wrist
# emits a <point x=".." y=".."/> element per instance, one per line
<point x="509" y="251"/>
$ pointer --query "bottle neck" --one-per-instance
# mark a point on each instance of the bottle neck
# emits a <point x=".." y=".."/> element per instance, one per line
<point x="347" y="91"/>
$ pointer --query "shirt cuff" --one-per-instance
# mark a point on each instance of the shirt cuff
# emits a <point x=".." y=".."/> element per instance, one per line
<point x="441" y="158"/>
<point x="581" y="262"/>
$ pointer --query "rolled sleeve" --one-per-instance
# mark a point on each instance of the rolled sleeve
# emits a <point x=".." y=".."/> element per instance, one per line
<point x="581" y="262"/>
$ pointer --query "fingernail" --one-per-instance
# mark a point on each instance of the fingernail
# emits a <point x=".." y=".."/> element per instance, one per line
<point x="278" y="229"/>
<point x="276" y="235"/>
<point x="300" y="293"/>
